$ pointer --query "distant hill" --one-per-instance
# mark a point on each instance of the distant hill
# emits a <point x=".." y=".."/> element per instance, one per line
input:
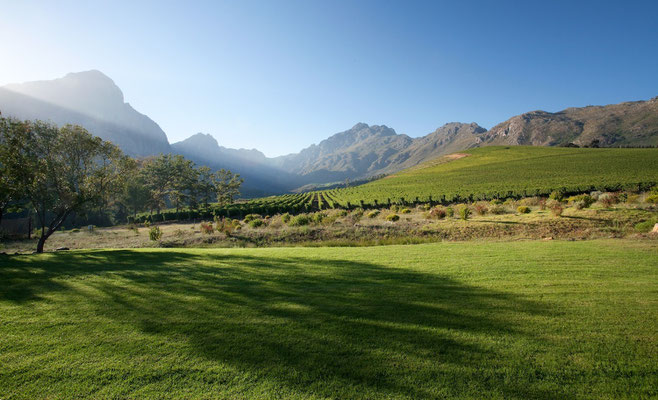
<point x="493" y="171"/>
<point x="260" y="179"/>
<point x="624" y="124"/>
<point x="90" y="99"/>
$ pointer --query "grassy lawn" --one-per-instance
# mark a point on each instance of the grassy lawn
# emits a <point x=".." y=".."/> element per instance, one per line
<point x="527" y="319"/>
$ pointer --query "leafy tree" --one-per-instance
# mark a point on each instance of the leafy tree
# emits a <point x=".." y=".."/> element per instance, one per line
<point x="206" y="191"/>
<point x="183" y="182"/>
<point x="135" y="194"/>
<point x="8" y="187"/>
<point x="60" y="170"/>
<point x="159" y="175"/>
<point x="227" y="185"/>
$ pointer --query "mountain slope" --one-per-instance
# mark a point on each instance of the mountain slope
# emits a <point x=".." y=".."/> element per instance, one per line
<point x="624" y="124"/>
<point x="90" y="99"/>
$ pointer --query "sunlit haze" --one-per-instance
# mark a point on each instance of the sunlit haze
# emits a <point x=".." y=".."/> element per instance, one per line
<point x="279" y="76"/>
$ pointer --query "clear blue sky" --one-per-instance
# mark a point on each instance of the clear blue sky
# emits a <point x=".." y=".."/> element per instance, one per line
<point x="280" y="75"/>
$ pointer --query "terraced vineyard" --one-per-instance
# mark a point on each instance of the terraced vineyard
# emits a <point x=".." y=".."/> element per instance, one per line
<point x="500" y="172"/>
<point x="477" y="174"/>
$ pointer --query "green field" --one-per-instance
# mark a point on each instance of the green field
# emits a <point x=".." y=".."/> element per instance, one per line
<point x="543" y="319"/>
<point x="489" y="172"/>
<point x="484" y="174"/>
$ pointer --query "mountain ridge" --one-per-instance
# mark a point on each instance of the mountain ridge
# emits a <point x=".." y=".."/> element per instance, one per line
<point x="92" y="99"/>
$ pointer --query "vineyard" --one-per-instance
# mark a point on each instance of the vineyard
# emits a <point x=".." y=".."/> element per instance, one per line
<point x="478" y="174"/>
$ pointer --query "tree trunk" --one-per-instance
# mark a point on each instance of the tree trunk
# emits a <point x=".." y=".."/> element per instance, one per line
<point x="41" y="243"/>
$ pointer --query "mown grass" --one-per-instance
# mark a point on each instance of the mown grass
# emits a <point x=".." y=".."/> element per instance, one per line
<point x="461" y="320"/>
<point x="497" y="170"/>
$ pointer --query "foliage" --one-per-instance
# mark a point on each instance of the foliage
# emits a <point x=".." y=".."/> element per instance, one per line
<point x="608" y="199"/>
<point x="481" y="209"/>
<point x="155" y="233"/>
<point x="651" y="199"/>
<point x="464" y="212"/>
<point x="256" y="223"/>
<point x="285" y="218"/>
<point x="556" y="208"/>
<point x="300" y="220"/>
<point x="405" y="211"/>
<point x="646" y="226"/>
<point x="438" y="213"/>
<point x="392" y="217"/>
<point x="207" y="228"/>
<point x="373" y="214"/>
<point x="523" y="209"/>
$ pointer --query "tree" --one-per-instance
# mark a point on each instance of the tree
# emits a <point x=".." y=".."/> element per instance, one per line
<point x="135" y="192"/>
<point x="159" y="175"/>
<point x="60" y="170"/>
<point x="227" y="185"/>
<point x="206" y="191"/>
<point x="183" y="182"/>
<point x="9" y="190"/>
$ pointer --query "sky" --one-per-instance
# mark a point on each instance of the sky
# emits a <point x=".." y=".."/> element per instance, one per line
<point x="281" y="75"/>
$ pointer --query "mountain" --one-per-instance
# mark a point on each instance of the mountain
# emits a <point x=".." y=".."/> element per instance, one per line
<point x="259" y="178"/>
<point x="94" y="101"/>
<point x="90" y="99"/>
<point x="624" y="124"/>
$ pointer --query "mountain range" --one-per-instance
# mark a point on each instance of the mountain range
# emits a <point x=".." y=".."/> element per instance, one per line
<point x="93" y="100"/>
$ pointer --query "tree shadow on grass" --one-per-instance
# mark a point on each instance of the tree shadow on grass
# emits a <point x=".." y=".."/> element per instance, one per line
<point x="318" y="327"/>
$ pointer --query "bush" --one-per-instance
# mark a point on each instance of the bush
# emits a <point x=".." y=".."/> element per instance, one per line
<point x="450" y="212"/>
<point x="556" y="208"/>
<point x="342" y="213"/>
<point x="250" y="217"/>
<point x="581" y="201"/>
<point x="523" y="209"/>
<point x="646" y="226"/>
<point x="373" y="214"/>
<point x="300" y="220"/>
<point x="395" y="208"/>
<point x="155" y="233"/>
<point x="405" y="211"/>
<point x="318" y="217"/>
<point x="530" y="201"/>
<point x="498" y="209"/>
<point x="481" y="209"/>
<point x="633" y="198"/>
<point x="464" y="213"/>
<point x="147" y="224"/>
<point x="542" y="204"/>
<point x="557" y="195"/>
<point x="285" y="218"/>
<point x="256" y="223"/>
<point x="438" y="213"/>
<point x="207" y="228"/>
<point x="392" y="217"/>
<point x="608" y="199"/>
<point x="651" y="199"/>
<point x="496" y="202"/>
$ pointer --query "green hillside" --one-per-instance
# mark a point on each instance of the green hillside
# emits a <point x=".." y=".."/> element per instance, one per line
<point x="522" y="170"/>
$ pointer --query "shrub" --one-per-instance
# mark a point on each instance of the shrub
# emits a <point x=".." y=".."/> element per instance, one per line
<point x="392" y="217"/>
<point x="155" y="233"/>
<point x="450" y="212"/>
<point x="147" y="224"/>
<point x="342" y="213"/>
<point x="556" y="208"/>
<point x="250" y="217"/>
<point x="498" y="209"/>
<point x="285" y="218"/>
<point x="481" y="209"/>
<point x="207" y="228"/>
<point x="464" y="213"/>
<point x="300" y="220"/>
<point x="318" y="217"/>
<point x="256" y="223"/>
<point x="652" y="199"/>
<point x="581" y="201"/>
<point x="633" y="198"/>
<point x="495" y="202"/>
<point x="595" y="195"/>
<point x="373" y="214"/>
<point x="557" y="195"/>
<point x="427" y="207"/>
<point x="542" y="204"/>
<point x="608" y="199"/>
<point x="523" y="209"/>
<point x="395" y="208"/>
<point x="646" y="226"/>
<point x="438" y="213"/>
<point x="530" y="201"/>
<point x="405" y="211"/>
